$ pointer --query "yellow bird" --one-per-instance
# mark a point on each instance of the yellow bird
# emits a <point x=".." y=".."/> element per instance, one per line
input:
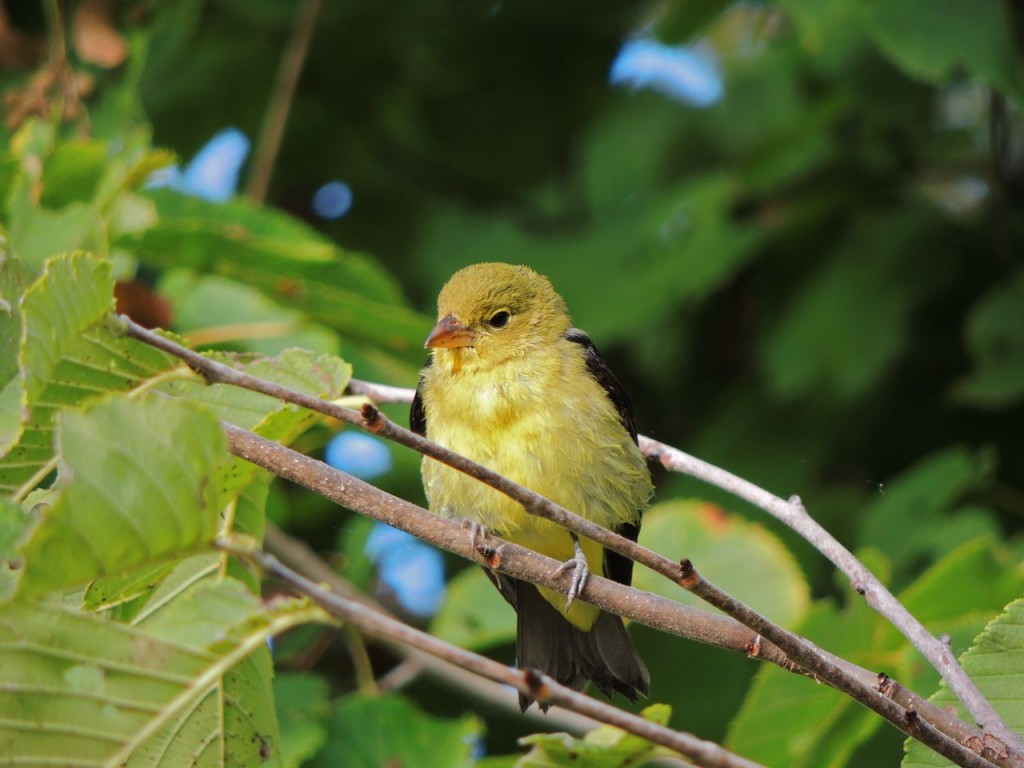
<point x="513" y="386"/>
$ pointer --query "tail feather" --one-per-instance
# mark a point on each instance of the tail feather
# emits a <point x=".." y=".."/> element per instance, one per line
<point x="573" y="657"/>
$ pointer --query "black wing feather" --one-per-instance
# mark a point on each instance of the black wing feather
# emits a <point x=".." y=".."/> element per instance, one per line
<point x="617" y="567"/>
<point x="417" y="414"/>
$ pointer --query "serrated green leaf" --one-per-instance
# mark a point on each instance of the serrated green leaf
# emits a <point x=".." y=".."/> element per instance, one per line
<point x="473" y="615"/>
<point x="76" y="689"/>
<point x="67" y="355"/>
<point x="202" y="615"/>
<point x="140" y="485"/>
<point x="389" y="730"/>
<point x="995" y="661"/>
<point x="742" y="558"/>
<point x="16" y="524"/>
<point x="73" y="295"/>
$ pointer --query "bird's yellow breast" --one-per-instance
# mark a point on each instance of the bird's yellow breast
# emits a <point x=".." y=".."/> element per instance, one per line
<point x="542" y="421"/>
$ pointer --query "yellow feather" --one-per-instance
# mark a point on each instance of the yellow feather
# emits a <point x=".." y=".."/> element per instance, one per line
<point x="521" y="401"/>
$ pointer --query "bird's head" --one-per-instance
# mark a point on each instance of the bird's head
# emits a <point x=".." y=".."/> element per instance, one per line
<point x="491" y="313"/>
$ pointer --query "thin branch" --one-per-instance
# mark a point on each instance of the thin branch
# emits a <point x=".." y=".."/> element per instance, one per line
<point x="907" y="720"/>
<point x="276" y="117"/>
<point x="529" y="681"/>
<point x="865" y="583"/>
<point x="372" y="420"/>
<point x="793" y="514"/>
<point x="352" y="493"/>
<point x="649" y="609"/>
<point x="297" y="555"/>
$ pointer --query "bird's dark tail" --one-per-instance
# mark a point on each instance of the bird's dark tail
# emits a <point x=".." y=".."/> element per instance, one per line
<point x="548" y="642"/>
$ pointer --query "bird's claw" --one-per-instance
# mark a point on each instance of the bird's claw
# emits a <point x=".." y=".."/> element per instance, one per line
<point x="580" y="573"/>
<point x="477" y="535"/>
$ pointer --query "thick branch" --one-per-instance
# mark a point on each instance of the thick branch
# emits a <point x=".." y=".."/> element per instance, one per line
<point x="528" y="681"/>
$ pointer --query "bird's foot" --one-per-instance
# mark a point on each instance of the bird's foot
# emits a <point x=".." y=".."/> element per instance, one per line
<point x="477" y="536"/>
<point x="580" y="573"/>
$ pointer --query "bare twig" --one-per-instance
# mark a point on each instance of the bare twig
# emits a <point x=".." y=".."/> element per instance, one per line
<point x="808" y="657"/>
<point x="276" y="117"/>
<point x="372" y="420"/>
<point x="865" y="583"/>
<point x="299" y="557"/>
<point x="528" y="681"/>
<point x="644" y="607"/>
<point x="793" y="514"/>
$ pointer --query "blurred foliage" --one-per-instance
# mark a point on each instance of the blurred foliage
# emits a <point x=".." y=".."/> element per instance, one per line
<point x="817" y="283"/>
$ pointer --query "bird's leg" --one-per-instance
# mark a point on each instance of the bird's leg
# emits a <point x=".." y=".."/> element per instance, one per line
<point x="477" y="534"/>
<point x="580" y="571"/>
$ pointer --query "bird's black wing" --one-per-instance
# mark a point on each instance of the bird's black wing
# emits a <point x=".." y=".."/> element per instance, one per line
<point x="617" y="567"/>
<point x="417" y="415"/>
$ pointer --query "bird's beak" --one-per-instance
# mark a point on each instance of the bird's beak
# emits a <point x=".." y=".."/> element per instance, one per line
<point x="449" y="333"/>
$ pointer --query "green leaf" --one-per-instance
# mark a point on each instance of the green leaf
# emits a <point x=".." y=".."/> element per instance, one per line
<point x="16" y="524"/>
<point x="286" y="260"/>
<point x="76" y="689"/>
<point x="322" y="376"/>
<point x="956" y="597"/>
<point x="302" y="711"/>
<point x="67" y="355"/>
<point x="931" y="39"/>
<point x="139" y="485"/>
<point x="996" y="663"/>
<point x="15" y="279"/>
<point x="995" y="339"/>
<point x="685" y="237"/>
<point x="73" y="295"/>
<point x="212" y="310"/>
<point x="389" y="730"/>
<point x="742" y="558"/>
<point x="473" y="615"/>
<point x="603" y="747"/>
<point x="851" y="321"/>
<point x="72" y="172"/>
<point x="790" y="720"/>
<point x="920" y="517"/>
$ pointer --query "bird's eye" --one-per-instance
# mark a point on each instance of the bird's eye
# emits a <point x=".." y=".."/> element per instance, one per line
<point x="499" y="319"/>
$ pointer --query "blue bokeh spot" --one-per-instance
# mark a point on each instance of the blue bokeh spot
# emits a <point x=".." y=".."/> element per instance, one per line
<point x="411" y="569"/>
<point x="688" y="74"/>
<point x="333" y="200"/>
<point x="358" y="454"/>
<point x="213" y="173"/>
